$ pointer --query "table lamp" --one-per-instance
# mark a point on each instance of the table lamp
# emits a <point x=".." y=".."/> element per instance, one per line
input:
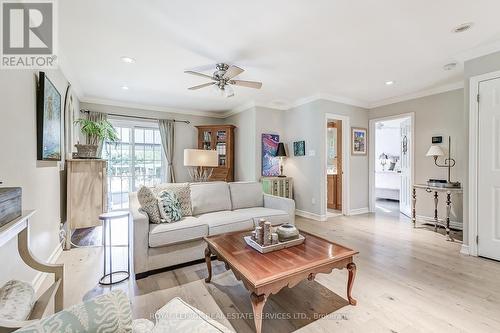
<point x="436" y="151"/>
<point x="281" y="153"/>
<point x="200" y="163"/>
<point x="383" y="160"/>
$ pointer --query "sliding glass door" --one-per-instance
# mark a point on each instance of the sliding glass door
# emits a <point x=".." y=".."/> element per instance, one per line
<point x="136" y="160"/>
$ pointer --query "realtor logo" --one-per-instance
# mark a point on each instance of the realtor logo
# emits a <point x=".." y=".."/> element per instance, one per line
<point x="28" y="34"/>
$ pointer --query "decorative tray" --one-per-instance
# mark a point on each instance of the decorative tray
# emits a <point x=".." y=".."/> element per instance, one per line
<point x="273" y="247"/>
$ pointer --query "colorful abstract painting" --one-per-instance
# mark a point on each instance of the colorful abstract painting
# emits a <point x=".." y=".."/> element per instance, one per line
<point x="270" y="163"/>
<point x="48" y="120"/>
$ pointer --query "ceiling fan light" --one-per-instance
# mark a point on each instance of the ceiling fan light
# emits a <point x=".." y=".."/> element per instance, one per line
<point x="228" y="91"/>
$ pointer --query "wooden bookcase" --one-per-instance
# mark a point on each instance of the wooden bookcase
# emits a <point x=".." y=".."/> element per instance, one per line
<point x="221" y="139"/>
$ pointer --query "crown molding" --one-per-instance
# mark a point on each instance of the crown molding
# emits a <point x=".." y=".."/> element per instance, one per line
<point x="479" y="51"/>
<point x="211" y="114"/>
<point x="239" y="109"/>
<point x="331" y="98"/>
<point x="419" y="94"/>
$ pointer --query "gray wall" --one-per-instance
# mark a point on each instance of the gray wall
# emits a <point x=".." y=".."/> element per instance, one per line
<point x="244" y="146"/>
<point x="186" y="135"/>
<point x="440" y="114"/>
<point x="41" y="181"/>
<point x="482" y="65"/>
<point x="307" y="122"/>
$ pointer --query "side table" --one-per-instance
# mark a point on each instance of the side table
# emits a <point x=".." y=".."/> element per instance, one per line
<point x="435" y="190"/>
<point x="120" y="276"/>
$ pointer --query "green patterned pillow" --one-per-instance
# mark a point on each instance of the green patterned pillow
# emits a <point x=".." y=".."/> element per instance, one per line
<point x="169" y="206"/>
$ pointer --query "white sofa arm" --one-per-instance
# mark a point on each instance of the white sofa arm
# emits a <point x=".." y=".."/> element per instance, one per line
<point x="140" y="230"/>
<point x="288" y="205"/>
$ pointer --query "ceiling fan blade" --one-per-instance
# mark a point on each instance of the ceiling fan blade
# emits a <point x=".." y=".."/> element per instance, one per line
<point x="232" y="71"/>
<point x="202" y="86"/>
<point x="199" y="74"/>
<point x="248" y="84"/>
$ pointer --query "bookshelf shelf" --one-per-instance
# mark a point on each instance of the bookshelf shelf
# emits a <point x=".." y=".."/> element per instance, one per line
<point x="221" y="139"/>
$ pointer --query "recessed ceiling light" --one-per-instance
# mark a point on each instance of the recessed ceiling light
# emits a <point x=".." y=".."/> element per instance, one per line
<point x="450" y="66"/>
<point x="124" y="87"/>
<point x="128" y="60"/>
<point x="463" y="27"/>
<point x="389" y="83"/>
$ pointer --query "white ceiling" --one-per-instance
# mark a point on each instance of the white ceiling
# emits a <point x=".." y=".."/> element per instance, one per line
<point x="297" y="48"/>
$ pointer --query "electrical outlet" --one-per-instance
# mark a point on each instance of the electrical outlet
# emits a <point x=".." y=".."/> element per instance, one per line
<point x="312" y="152"/>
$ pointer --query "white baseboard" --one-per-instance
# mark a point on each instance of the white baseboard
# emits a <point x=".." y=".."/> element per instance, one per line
<point x="40" y="276"/>
<point x="309" y="215"/>
<point x="465" y="250"/>
<point x="359" y="211"/>
<point x="453" y="224"/>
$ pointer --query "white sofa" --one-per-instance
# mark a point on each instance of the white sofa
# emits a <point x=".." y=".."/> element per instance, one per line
<point x="218" y="208"/>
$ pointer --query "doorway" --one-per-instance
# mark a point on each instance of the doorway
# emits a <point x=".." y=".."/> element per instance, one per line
<point x="334" y="168"/>
<point x="391" y="171"/>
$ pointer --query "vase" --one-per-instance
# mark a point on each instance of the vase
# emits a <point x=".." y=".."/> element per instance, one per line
<point x="287" y="232"/>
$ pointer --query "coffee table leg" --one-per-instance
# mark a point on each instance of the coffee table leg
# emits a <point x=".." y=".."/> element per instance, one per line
<point x="208" y="260"/>
<point x="351" y="267"/>
<point x="258" y="303"/>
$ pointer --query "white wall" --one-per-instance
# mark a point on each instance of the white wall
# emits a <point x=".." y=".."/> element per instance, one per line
<point x="40" y="181"/>
<point x="186" y="135"/>
<point x="436" y="115"/>
<point x="387" y="142"/>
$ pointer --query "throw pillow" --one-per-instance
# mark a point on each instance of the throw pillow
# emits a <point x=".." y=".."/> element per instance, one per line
<point x="169" y="206"/>
<point x="149" y="204"/>
<point x="16" y="300"/>
<point x="183" y="193"/>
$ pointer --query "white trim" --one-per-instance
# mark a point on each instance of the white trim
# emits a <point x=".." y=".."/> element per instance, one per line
<point x="359" y="211"/>
<point x="346" y="163"/>
<point x="371" y="154"/>
<point x="239" y="109"/>
<point x="309" y="215"/>
<point x="211" y="114"/>
<point x="40" y="276"/>
<point x="419" y="94"/>
<point x="465" y="250"/>
<point x="478" y="51"/>
<point x="472" y="188"/>
<point x="329" y="97"/>
<point x="430" y="220"/>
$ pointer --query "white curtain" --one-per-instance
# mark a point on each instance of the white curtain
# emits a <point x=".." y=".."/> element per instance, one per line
<point x="167" y="130"/>
<point x="97" y="116"/>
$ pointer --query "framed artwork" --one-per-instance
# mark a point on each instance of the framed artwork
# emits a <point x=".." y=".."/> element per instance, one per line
<point x="270" y="163"/>
<point x="359" y="141"/>
<point x="299" y="148"/>
<point x="48" y="120"/>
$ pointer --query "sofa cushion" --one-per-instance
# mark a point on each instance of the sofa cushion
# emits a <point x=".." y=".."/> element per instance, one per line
<point x="183" y="193"/>
<point x="226" y="221"/>
<point x="246" y="195"/>
<point x="169" y="206"/>
<point x="275" y="216"/>
<point x="187" y="229"/>
<point x="110" y="312"/>
<point x="180" y="317"/>
<point x="210" y="197"/>
<point x="16" y="300"/>
<point x="149" y="203"/>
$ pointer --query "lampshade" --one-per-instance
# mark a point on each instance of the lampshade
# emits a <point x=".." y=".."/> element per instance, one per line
<point x="281" y="150"/>
<point x="435" y="151"/>
<point x="200" y="157"/>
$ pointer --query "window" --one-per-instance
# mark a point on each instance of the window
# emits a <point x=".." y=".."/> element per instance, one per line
<point x="136" y="160"/>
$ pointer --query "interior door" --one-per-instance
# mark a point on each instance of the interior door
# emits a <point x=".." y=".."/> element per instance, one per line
<point x="488" y="195"/>
<point x="405" y="188"/>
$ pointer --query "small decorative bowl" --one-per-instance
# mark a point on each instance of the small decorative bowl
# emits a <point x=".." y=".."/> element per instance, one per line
<point x="287" y="232"/>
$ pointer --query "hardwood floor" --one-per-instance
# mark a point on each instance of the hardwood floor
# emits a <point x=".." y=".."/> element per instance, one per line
<point x="408" y="280"/>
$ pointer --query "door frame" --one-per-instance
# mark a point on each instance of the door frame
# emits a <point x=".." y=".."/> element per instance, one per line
<point x="371" y="153"/>
<point x="472" y="188"/>
<point x="346" y="155"/>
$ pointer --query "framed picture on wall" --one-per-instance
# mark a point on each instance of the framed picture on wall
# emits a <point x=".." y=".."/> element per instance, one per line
<point x="359" y="141"/>
<point x="270" y="163"/>
<point x="299" y="148"/>
<point x="48" y="112"/>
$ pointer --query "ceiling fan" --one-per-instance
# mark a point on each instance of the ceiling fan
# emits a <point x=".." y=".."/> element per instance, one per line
<point x="223" y="79"/>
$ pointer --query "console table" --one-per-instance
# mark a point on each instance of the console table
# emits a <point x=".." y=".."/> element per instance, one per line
<point x="435" y="190"/>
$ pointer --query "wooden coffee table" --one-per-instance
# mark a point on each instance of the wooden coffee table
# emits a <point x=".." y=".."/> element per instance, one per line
<point x="266" y="274"/>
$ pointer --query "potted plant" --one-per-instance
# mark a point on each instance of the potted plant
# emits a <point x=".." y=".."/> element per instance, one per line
<point x="96" y="132"/>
